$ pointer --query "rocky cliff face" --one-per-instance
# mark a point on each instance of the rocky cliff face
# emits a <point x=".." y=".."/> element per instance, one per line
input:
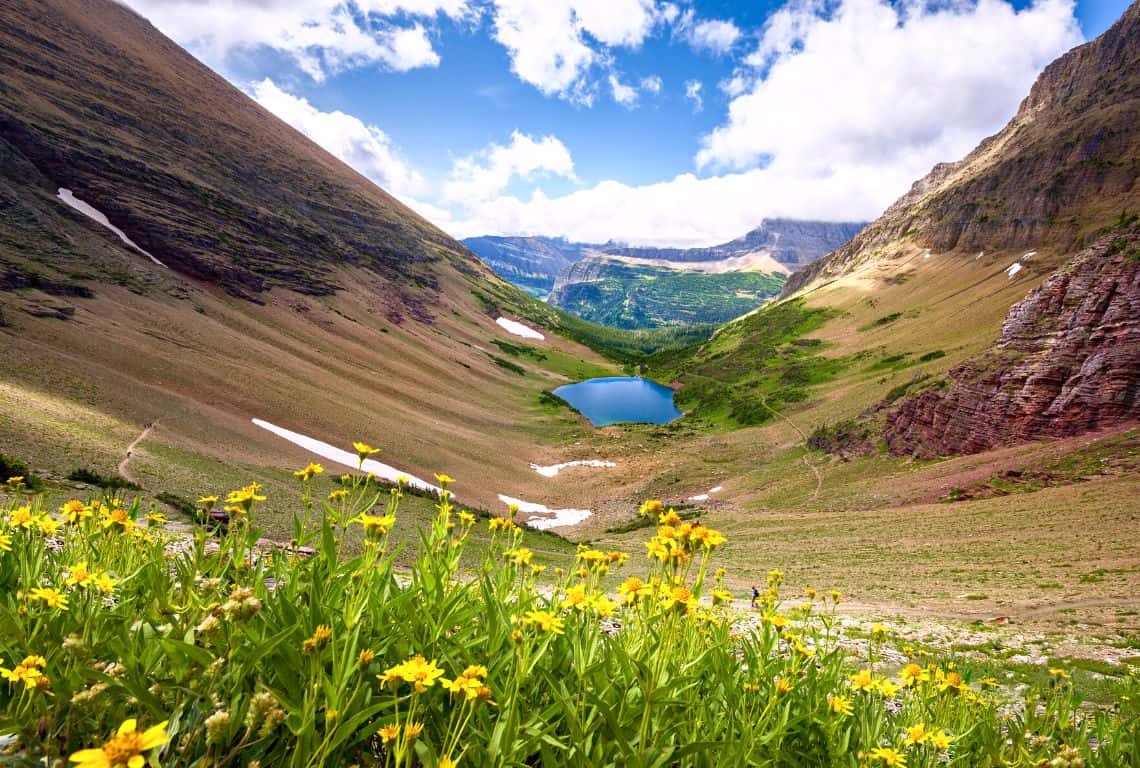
<point x="1067" y="361"/>
<point x="533" y="262"/>
<point x="1064" y="167"/>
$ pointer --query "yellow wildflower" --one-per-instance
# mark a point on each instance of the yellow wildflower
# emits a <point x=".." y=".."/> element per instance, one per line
<point x="156" y="518"/>
<point x="50" y="597"/>
<point x="1059" y="673"/>
<point x="365" y="657"/>
<point x="888" y="756"/>
<point x="651" y="507"/>
<point x="389" y="732"/>
<point x="913" y="674"/>
<point x="466" y="517"/>
<point x="125" y="749"/>
<point x="208" y="501"/>
<point x="412" y="731"/>
<point x="79" y="575"/>
<point x="375" y="526"/>
<point x="520" y="556"/>
<point x="22" y="517"/>
<point x="244" y="497"/>
<point x="75" y="510"/>
<point x="418" y="671"/>
<point x="444" y="480"/>
<point x="939" y="739"/>
<point x="576" y="598"/>
<point x="338" y="494"/>
<point x="840" y="705"/>
<point x="863" y="680"/>
<point x="364" y="450"/>
<point x="309" y="471"/>
<point x="783" y="686"/>
<point x="320" y="638"/>
<point x="546" y="621"/>
<point x="916" y="734"/>
<point x="886" y="688"/>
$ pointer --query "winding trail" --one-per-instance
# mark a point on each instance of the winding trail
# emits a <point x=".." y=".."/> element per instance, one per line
<point x="804" y="437"/>
<point x="130" y="448"/>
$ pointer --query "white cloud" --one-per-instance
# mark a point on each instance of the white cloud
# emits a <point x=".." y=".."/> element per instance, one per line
<point x="626" y="95"/>
<point x="321" y="36"/>
<point x="652" y="84"/>
<point x="553" y="43"/>
<point x="683" y="211"/>
<point x="846" y="110"/>
<point x="364" y="147"/>
<point x="693" y="94"/>
<point x="714" y="35"/>
<point x="487" y="173"/>
<point x="883" y="86"/>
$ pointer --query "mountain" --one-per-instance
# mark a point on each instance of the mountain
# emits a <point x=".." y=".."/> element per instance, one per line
<point x="1056" y="195"/>
<point x="172" y="253"/>
<point x="641" y="293"/>
<point x="776" y="246"/>
<point x="531" y="263"/>
<point x="790" y="243"/>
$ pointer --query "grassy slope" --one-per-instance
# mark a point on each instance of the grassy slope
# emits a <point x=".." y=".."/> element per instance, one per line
<point x="640" y="296"/>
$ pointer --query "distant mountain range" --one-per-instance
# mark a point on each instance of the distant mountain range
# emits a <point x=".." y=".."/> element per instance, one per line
<point x="639" y="287"/>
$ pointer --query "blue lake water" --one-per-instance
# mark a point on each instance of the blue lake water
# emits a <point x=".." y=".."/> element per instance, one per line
<point x="616" y="399"/>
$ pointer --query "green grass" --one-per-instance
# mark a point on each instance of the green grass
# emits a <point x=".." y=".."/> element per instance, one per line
<point x="752" y="367"/>
<point x="230" y="654"/>
<point x="641" y="296"/>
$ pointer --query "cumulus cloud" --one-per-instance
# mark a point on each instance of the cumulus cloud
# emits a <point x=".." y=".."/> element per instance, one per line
<point x="883" y="85"/>
<point x="838" y="110"/>
<point x="693" y="94"/>
<point x="626" y="95"/>
<point x="713" y="35"/>
<point x="485" y="174"/>
<point x="552" y="44"/>
<point x="364" y="147"/>
<point x="321" y="36"/>
<point x="652" y="84"/>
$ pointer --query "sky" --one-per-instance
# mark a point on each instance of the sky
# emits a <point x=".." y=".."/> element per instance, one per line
<point x="651" y="122"/>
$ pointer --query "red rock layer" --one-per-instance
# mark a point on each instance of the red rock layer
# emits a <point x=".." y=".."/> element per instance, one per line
<point x="1067" y="361"/>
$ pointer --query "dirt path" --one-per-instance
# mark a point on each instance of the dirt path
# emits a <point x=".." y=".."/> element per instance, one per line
<point x="804" y="437"/>
<point x="130" y="449"/>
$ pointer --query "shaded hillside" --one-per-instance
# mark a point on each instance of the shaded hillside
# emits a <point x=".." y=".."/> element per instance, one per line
<point x="1066" y="166"/>
<point x="95" y="100"/>
<point x="1067" y="362"/>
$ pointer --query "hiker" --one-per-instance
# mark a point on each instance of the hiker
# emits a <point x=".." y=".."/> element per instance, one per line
<point x="755" y="595"/>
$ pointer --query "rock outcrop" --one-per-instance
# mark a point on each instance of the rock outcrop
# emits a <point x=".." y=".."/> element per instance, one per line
<point x="1067" y="362"/>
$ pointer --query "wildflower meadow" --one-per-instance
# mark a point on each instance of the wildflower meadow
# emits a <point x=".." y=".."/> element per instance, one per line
<point x="127" y="641"/>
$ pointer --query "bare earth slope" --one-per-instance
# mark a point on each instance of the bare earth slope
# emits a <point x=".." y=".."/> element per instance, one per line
<point x="283" y="285"/>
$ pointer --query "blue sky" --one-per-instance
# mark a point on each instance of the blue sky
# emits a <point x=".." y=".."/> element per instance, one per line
<point x="672" y="123"/>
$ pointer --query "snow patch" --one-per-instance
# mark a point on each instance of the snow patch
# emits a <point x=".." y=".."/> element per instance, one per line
<point x="980" y="255"/>
<point x="562" y="517"/>
<point x="1014" y="268"/>
<point x="705" y="496"/>
<point x="554" y="469"/>
<point x="347" y="458"/>
<point x="1026" y="256"/>
<point x="96" y="215"/>
<point x="518" y="329"/>
<point x="926" y="254"/>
